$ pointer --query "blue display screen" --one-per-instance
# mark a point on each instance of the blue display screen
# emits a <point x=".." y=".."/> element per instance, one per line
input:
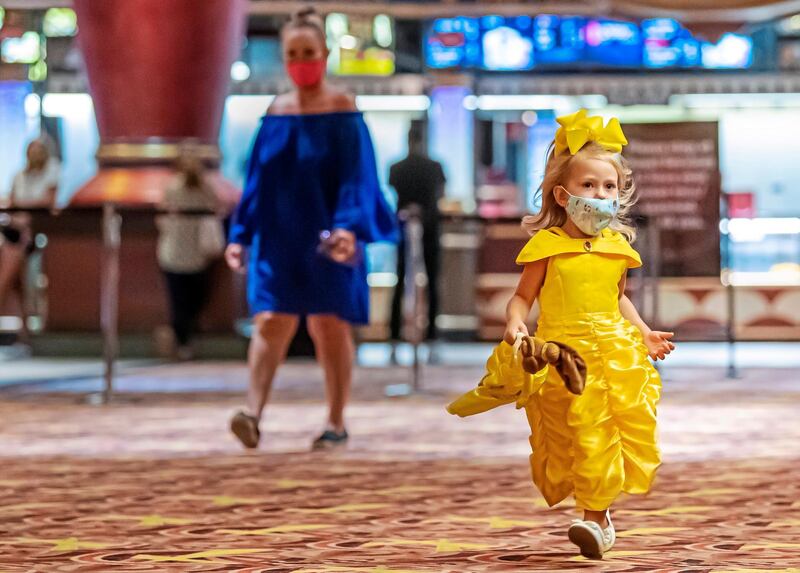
<point x="507" y="43"/>
<point x="667" y="44"/>
<point x="453" y="43"/>
<point x="500" y="43"/>
<point x="613" y="43"/>
<point x="558" y="39"/>
<point x="733" y="51"/>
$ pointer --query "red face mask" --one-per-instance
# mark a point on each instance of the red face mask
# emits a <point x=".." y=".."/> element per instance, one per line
<point x="306" y="73"/>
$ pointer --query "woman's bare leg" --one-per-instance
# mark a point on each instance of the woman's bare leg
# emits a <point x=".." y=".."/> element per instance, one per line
<point x="272" y="333"/>
<point x="333" y="342"/>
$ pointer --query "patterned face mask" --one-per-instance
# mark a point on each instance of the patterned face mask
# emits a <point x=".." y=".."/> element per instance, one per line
<point x="589" y="214"/>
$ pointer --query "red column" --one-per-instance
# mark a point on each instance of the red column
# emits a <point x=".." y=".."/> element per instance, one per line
<point x="158" y="75"/>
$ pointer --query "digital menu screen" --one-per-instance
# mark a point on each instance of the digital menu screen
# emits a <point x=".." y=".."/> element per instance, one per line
<point x="733" y="51"/>
<point x="613" y="43"/>
<point x="360" y="45"/>
<point x="551" y="42"/>
<point x="558" y="39"/>
<point x="667" y="44"/>
<point x="507" y="43"/>
<point x="25" y="49"/>
<point x="453" y="43"/>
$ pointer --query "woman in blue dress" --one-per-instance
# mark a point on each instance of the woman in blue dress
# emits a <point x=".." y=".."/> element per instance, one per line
<point x="311" y="202"/>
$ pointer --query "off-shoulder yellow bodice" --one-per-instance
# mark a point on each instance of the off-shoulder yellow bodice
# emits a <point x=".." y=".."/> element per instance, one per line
<point x="582" y="274"/>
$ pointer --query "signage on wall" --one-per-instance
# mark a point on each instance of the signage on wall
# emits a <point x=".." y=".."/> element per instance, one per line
<point x="360" y="45"/>
<point x="676" y="170"/>
<point x="547" y="41"/>
<point x="741" y="205"/>
<point x="453" y="43"/>
<point x="507" y="43"/>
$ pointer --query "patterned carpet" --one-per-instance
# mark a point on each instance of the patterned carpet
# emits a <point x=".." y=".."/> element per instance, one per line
<point x="154" y="483"/>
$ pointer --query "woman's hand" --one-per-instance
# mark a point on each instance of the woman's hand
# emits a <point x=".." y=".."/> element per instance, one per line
<point x="512" y="328"/>
<point x="658" y="344"/>
<point x="234" y="256"/>
<point x="342" y="245"/>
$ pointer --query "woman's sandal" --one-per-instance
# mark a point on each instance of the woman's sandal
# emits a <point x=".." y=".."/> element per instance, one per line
<point x="245" y="427"/>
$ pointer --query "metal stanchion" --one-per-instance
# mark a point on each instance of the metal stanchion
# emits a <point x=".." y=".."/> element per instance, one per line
<point x="730" y="292"/>
<point x="109" y="291"/>
<point x="109" y="283"/>
<point x="109" y="296"/>
<point x="733" y="372"/>
<point x="415" y="303"/>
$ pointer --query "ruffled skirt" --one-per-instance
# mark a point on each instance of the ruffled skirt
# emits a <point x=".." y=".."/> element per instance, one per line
<point x="602" y="442"/>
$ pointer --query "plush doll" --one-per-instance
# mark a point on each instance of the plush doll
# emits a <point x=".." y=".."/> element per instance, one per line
<point x="538" y="353"/>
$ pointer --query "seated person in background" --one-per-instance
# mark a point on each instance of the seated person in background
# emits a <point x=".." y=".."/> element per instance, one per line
<point x="33" y="188"/>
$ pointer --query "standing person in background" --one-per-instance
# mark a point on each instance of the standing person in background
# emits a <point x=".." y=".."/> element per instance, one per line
<point x="418" y="181"/>
<point x="187" y="246"/>
<point x="34" y="187"/>
<point x="311" y="201"/>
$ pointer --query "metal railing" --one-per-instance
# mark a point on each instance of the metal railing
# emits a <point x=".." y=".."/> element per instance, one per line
<point x="110" y="273"/>
<point x="415" y="287"/>
<point x="415" y="297"/>
<point x="110" y="281"/>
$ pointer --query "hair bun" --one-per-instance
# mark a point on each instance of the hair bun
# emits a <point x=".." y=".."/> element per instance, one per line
<point x="305" y="13"/>
<point x="306" y="17"/>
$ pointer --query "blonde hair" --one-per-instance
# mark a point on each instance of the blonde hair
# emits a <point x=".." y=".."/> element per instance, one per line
<point x="555" y="173"/>
<point x="306" y="17"/>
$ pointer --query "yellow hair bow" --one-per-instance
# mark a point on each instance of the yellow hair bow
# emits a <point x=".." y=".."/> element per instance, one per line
<point x="577" y="129"/>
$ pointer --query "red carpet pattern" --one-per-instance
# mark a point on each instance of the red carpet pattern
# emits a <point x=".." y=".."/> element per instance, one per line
<point x="155" y="483"/>
<point x="329" y="513"/>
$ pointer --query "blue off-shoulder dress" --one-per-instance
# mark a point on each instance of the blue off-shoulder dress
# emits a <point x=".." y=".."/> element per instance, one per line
<point x="307" y="174"/>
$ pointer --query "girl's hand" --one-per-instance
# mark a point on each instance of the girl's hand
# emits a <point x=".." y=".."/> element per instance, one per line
<point x="234" y="256"/>
<point x="658" y="344"/>
<point x="512" y="328"/>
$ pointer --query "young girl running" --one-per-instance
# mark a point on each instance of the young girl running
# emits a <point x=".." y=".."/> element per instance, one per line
<point x="601" y="442"/>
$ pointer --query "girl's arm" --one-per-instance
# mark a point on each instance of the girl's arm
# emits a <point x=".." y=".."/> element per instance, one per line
<point x="629" y="311"/>
<point x="519" y="307"/>
<point x="658" y="343"/>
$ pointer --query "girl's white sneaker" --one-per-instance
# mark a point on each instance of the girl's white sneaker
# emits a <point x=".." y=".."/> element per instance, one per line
<point x="592" y="539"/>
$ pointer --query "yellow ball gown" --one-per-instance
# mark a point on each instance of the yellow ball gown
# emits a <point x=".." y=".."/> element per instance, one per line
<point x="603" y="442"/>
